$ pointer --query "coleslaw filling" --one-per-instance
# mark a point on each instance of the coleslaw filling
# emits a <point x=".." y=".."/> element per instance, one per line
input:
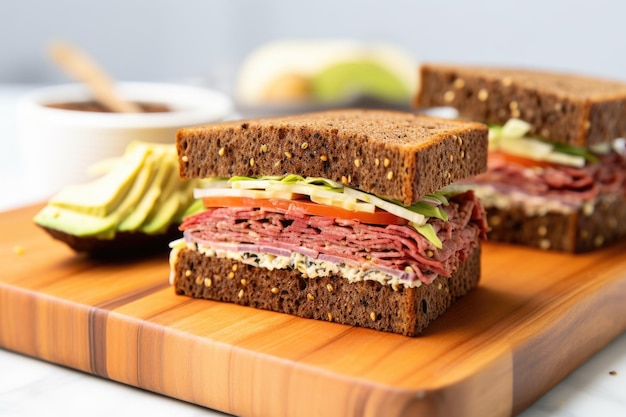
<point x="307" y="266"/>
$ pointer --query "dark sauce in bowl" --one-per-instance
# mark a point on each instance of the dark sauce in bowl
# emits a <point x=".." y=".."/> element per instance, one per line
<point x="94" y="106"/>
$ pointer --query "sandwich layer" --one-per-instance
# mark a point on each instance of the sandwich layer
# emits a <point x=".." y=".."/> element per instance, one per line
<point x="393" y="154"/>
<point x="360" y="250"/>
<point x="572" y="209"/>
<point x="581" y="230"/>
<point x="367" y="303"/>
<point x="228" y="252"/>
<point x="565" y="108"/>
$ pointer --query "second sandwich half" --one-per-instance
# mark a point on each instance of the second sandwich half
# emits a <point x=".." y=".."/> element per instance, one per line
<point x="349" y="216"/>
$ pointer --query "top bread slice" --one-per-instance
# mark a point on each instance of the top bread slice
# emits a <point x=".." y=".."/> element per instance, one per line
<point x="388" y="153"/>
<point x="564" y="108"/>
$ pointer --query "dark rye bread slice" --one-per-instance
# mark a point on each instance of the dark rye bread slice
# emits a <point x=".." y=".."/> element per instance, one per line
<point x="388" y="153"/>
<point x="564" y="108"/>
<point x="582" y="231"/>
<point x="406" y="311"/>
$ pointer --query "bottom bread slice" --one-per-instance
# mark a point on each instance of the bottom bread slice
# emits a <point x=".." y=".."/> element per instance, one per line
<point x="370" y="304"/>
<point x="589" y="228"/>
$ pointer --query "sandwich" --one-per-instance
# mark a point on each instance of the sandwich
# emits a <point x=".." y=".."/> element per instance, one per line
<point x="349" y="216"/>
<point x="556" y="176"/>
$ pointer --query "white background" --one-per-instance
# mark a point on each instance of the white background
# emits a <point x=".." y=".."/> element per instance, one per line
<point x="184" y="39"/>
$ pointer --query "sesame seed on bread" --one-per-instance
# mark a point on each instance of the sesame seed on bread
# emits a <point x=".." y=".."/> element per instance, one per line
<point x="389" y="153"/>
<point x="566" y="108"/>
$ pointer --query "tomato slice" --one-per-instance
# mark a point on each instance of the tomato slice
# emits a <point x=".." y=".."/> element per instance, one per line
<point x="306" y="207"/>
<point x="525" y="162"/>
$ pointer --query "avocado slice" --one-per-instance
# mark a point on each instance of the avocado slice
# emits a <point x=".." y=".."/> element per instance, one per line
<point x="76" y="223"/>
<point x="165" y="207"/>
<point x="161" y="171"/>
<point x="195" y="207"/>
<point x="142" y="193"/>
<point x="174" y="199"/>
<point x="102" y="196"/>
<point x="359" y="77"/>
<point x="190" y="205"/>
<point x="138" y="188"/>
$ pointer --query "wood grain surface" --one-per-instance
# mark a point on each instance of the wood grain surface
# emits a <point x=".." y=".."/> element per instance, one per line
<point x="535" y="317"/>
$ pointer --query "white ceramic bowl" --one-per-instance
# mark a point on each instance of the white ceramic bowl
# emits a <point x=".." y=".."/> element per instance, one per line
<point x="57" y="146"/>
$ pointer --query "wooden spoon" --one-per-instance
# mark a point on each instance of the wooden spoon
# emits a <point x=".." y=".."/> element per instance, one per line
<point x="80" y="66"/>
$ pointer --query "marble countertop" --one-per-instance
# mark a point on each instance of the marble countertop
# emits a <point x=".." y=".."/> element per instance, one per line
<point x="31" y="387"/>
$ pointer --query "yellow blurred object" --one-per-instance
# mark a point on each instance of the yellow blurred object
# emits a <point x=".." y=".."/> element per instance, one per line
<point x="326" y="71"/>
<point x="289" y="87"/>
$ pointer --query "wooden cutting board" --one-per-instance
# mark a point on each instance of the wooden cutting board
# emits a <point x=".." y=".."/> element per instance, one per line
<point x="535" y="317"/>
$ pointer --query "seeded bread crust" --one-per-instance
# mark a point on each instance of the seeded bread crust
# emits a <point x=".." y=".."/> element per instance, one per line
<point x="390" y="153"/>
<point x="564" y="108"/>
<point x="407" y="311"/>
<point x="581" y="231"/>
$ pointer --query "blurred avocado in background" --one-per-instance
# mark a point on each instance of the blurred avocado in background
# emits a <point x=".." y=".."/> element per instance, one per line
<point x="290" y="76"/>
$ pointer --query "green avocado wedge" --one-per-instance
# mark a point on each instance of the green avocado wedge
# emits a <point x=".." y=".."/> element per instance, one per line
<point x="361" y="77"/>
<point x="161" y="171"/>
<point x="165" y="207"/>
<point x="76" y="223"/>
<point x="102" y="196"/>
<point x="140" y="193"/>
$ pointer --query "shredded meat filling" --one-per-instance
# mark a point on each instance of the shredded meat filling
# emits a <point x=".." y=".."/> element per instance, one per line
<point x="392" y="246"/>
<point x="568" y="184"/>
